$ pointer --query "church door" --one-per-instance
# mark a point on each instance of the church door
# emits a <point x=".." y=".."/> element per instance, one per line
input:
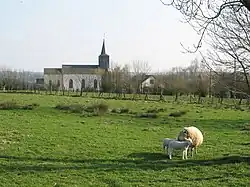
<point x="83" y="83"/>
<point x="70" y="83"/>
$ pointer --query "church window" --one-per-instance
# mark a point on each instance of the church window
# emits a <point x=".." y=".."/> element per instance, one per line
<point x="70" y="83"/>
<point x="58" y="83"/>
<point x="83" y="83"/>
<point x="95" y="83"/>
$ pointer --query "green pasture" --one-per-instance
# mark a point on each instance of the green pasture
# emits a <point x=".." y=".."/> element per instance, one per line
<point x="45" y="146"/>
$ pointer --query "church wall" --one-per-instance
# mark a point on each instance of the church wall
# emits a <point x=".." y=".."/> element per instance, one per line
<point x="54" y="79"/>
<point x="77" y="81"/>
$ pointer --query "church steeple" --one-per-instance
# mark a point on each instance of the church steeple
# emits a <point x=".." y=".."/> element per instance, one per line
<point x="103" y="58"/>
<point x="103" y="48"/>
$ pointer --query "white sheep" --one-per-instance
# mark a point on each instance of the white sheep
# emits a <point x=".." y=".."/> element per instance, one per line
<point x="166" y="142"/>
<point x="192" y="133"/>
<point x="183" y="145"/>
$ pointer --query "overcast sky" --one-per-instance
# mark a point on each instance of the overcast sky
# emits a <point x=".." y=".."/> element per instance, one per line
<point x="48" y="33"/>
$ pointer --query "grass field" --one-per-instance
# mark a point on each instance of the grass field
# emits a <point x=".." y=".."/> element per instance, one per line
<point x="50" y="147"/>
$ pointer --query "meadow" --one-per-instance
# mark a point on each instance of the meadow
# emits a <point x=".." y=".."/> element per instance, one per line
<point x="45" y="145"/>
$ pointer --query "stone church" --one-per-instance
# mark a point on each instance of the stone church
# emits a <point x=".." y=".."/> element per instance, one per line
<point x="75" y="77"/>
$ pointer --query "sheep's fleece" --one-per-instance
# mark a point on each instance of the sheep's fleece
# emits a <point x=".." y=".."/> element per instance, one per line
<point x="191" y="132"/>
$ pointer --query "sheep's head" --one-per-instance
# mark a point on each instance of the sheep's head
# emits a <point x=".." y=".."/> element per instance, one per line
<point x="183" y="135"/>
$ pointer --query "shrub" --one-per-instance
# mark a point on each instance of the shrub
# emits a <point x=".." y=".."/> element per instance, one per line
<point x="30" y="106"/>
<point x="124" y="110"/>
<point x="27" y="107"/>
<point x="147" y="115"/>
<point x="98" y="109"/>
<point x="177" y="114"/>
<point x="75" y="108"/>
<point x="155" y="110"/>
<point x="114" y="110"/>
<point x="9" y="105"/>
<point x="246" y="128"/>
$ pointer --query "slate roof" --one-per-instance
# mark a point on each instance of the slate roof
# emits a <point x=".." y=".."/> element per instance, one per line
<point x="141" y="78"/>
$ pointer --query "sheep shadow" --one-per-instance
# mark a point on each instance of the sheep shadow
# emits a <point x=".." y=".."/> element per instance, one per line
<point x="148" y="156"/>
<point x="245" y="143"/>
<point x="133" y="161"/>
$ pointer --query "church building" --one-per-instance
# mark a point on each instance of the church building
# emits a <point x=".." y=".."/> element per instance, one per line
<point x="75" y="77"/>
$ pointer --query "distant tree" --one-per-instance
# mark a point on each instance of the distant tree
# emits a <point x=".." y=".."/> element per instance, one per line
<point x="139" y="70"/>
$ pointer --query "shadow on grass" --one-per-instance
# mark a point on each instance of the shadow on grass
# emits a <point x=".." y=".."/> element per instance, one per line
<point x="135" y="161"/>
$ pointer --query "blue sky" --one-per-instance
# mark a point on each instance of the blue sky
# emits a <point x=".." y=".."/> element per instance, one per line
<point x="47" y="33"/>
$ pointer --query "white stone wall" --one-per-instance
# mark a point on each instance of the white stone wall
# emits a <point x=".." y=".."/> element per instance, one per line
<point x="146" y="83"/>
<point x="54" y="78"/>
<point x="77" y="80"/>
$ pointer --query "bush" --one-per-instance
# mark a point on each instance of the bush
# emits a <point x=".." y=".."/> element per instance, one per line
<point x="124" y="110"/>
<point x="98" y="109"/>
<point x="9" y="105"/>
<point x="120" y="110"/>
<point x="155" y="110"/>
<point x="147" y="115"/>
<point x="177" y="114"/>
<point x="75" y="108"/>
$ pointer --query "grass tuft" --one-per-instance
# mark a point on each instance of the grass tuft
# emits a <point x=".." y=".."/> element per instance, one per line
<point x="120" y="110"/>
<point x="147" y="115"/>
<point x="12" y="105"/>
<point x="177" y="114"/>
<point x="155" y="110"/>
<point x="97" y="109"/>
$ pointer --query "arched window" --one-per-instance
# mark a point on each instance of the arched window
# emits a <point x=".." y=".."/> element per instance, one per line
<point x="70" y="83"/>
<point x="95" y="84"/>
<point x="58" y="83"/>
<point x="83" y="83"/>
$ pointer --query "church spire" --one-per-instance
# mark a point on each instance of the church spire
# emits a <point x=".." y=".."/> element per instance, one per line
<point x="103" y="58"/>
<point x="103" y="48"/>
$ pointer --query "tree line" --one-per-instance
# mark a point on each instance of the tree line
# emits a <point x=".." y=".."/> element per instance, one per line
<point x="196" y="81"/>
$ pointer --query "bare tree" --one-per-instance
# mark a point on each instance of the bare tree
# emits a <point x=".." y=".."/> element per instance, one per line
<point x="230" y="50"/>
<point x="177" y="82"/>
<point x="139" y="69"/>
<point x="160" y="84"/>
<point x="126" y="76"/>
<point x="204" y="14"/>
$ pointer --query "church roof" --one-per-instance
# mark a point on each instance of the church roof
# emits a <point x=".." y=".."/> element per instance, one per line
<point x="80" y="66"/>
<point x="52" y="70"/>
<point x="141" y="78"/>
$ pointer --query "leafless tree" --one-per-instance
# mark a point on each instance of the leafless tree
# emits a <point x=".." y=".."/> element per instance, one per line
<point x="230" y="51"/>
<point x="177" y="82"/>
<point x="204" y="14"/>
<point x="139" y="69"/>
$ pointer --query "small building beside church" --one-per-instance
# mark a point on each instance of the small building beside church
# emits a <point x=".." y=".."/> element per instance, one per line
<point x="75" y="77"/>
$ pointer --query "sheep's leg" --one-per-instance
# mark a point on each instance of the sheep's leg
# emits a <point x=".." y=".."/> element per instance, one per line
<point x="183" y="154"/>
<point x="189" y="151"/>
<point x="186" y="153"/>
<point x="196" y="150"/>
<point x="170" y="153"/>
<point x="192" y="152"/>
<point x="166" y="150"/>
